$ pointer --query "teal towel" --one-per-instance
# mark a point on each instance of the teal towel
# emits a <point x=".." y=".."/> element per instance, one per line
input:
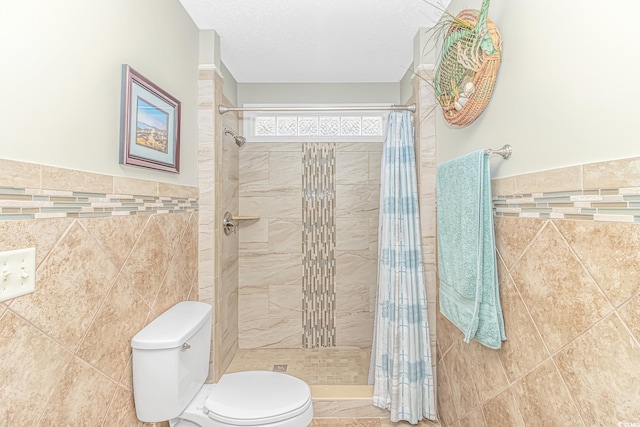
<point x="469" y="294"/>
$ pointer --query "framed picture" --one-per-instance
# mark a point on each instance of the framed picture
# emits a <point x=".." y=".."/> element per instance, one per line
<point x="150" y="124"/>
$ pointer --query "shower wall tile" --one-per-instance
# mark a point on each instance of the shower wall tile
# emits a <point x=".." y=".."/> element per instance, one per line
<point x="356" y="274"/>
<point x="359" y="147"/>
<point x="425" y="145"/>
<point x="354" y="329"/>
<point x="374" y="225"/>
<point x="284" y="236"/>
<point x="270" y="269"/>
<point x="281" y="203"/>
<point x="254" y="231"/>
<point x="285" y="301"/>
<point x="375" y="165"/>
<point x="352" y="167"/>
<point x="352" y="234"/>
<point x="285" y="168"/>
<point x="254" y="167"/>
<point x="270" y="333"/>
<point x="275" y="240"/>
<point x="359" y="199"/>
<point x="253" y="303"/>
<point x="218" y="179"/>
<point x="273" y="146"/>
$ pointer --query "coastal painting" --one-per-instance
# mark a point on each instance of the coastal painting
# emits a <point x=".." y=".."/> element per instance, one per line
<point x="150" y="124"/>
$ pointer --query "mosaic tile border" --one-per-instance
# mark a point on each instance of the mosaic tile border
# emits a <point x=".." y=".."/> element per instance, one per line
<point x="318" y="245"/>
<point x="605" y="204"/>
<point x="25" y="204"/>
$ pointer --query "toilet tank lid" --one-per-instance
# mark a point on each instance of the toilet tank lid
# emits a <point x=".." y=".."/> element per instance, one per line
<point x="173" y="327"/>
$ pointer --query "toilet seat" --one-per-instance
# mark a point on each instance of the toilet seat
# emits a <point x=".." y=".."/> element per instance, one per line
<point x="253" y="398"/>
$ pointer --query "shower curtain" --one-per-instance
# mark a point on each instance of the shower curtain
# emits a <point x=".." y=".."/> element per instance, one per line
<point x="401" y="355"/>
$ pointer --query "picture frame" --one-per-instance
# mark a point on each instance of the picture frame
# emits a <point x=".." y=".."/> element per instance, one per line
<point x="150" y="124"/>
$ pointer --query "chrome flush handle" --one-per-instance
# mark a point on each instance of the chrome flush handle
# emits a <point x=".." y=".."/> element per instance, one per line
<point x="185" y="346"/>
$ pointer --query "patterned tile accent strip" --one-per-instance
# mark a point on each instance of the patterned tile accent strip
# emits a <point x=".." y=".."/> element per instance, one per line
<point x="606" y="204"/>
<point x="24" y="203"/>
<point x="318" y="245"/>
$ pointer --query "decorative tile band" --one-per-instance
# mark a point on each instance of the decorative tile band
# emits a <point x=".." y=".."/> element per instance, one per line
<point x="606" y="204"/>
<point x="318" y="245"/>
<point x="24" y="204"/>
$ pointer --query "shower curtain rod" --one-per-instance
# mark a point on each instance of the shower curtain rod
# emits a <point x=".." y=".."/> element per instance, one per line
<point x="412" y="107"/>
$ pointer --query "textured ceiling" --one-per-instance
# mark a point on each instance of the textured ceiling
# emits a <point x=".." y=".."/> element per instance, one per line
<point x="316" y="40"/>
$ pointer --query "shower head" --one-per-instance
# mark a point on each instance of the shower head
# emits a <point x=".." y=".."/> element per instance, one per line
<point x="240" y="140"/>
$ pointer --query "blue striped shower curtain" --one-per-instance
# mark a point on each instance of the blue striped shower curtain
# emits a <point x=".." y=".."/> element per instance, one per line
<point x="401" y="355"/>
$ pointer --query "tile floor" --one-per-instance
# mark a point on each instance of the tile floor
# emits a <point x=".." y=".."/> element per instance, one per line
<point x="322" y="366"/>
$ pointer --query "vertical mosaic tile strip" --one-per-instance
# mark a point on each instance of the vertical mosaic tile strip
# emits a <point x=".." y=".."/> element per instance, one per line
<point x="605" y="204"/>
<point x="24" y="203"/>
<point x="318" y="245"/>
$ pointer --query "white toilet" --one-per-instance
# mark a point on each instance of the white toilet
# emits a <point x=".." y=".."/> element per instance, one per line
<point x="170" y="366"/>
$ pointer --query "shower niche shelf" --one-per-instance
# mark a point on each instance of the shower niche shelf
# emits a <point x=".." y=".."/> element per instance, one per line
<point x="246" y="218"/>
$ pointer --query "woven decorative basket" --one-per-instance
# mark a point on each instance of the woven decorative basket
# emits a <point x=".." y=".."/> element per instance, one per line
<point x="468" y="66"/>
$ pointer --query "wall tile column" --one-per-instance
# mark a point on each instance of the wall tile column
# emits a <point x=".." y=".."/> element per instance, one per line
<point x="218" y="184"/>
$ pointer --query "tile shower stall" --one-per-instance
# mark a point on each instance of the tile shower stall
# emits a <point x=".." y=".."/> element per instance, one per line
<point x="307" y="266"/>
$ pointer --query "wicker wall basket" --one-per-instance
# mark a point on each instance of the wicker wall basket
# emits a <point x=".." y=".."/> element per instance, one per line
<point x="469" y="64"/>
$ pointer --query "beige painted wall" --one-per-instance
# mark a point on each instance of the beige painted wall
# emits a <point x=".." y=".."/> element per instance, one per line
<point x="61" y="77"/>
<point x="565" y="92"/>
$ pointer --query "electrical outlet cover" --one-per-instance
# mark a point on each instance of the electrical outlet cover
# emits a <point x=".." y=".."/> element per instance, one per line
<point x="17" y="273"/>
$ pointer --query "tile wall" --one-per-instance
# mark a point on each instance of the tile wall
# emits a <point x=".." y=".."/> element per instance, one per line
<point x="570" y="291"/>
<point x="425" y="147"/>
<point x="112" y="254"/>
<point x="270" y="265"/>
<point x="218" y="174"/>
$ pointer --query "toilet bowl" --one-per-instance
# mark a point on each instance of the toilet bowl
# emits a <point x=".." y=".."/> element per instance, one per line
<point x="170" y="365"/>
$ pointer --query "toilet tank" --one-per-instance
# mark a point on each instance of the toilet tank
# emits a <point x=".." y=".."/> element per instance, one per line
<point x="171" y="360"/>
